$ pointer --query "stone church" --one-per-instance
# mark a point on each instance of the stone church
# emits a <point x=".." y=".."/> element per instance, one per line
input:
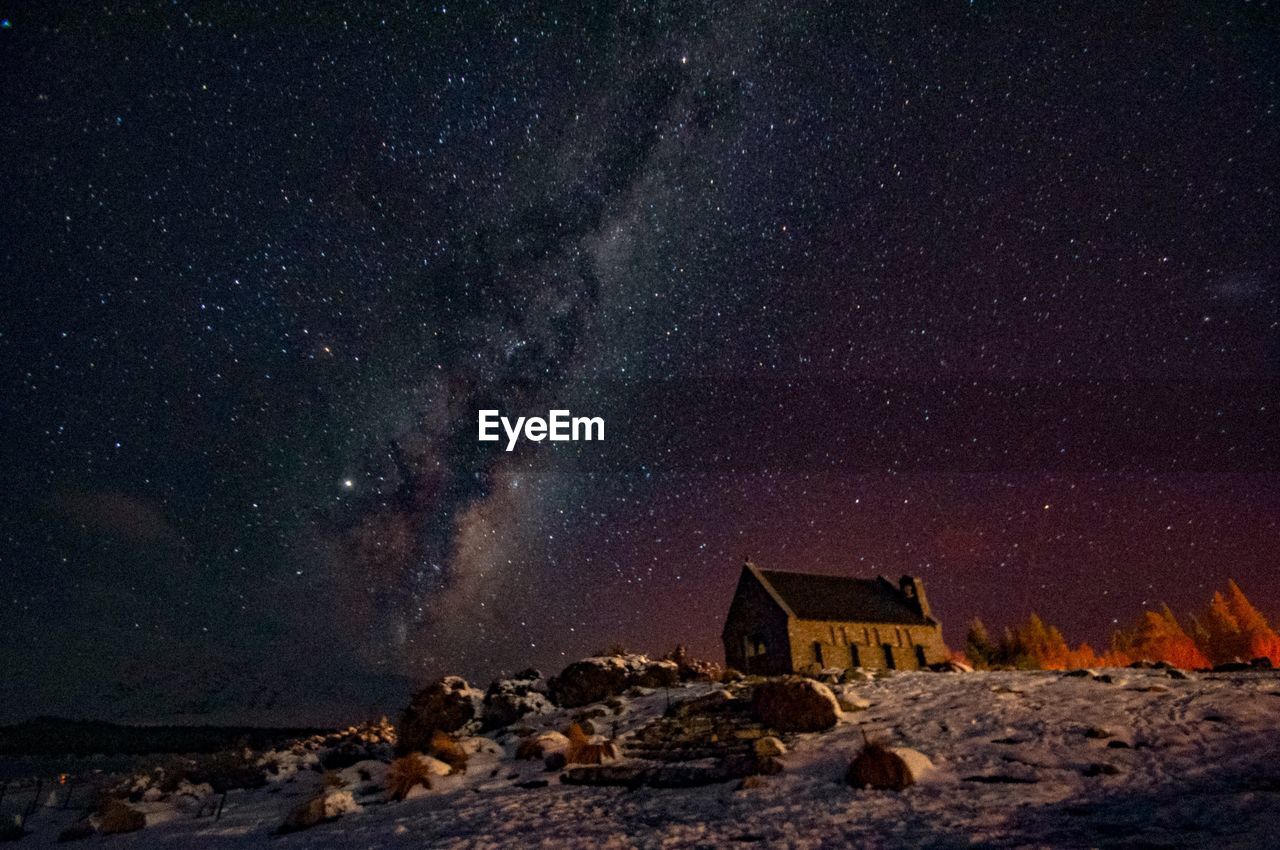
<point x="785" y="622"/>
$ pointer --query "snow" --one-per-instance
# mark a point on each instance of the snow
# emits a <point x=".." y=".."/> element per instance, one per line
<point x="1019" y="759"/>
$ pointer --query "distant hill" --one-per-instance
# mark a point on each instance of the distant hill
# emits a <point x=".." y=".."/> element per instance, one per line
<point x="60" y="736"/>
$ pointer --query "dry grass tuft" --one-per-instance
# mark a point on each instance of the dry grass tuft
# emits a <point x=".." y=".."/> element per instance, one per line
<point x="581" y="750"/>
<point x="449" y="751"/>
<point x="405" y="774"/>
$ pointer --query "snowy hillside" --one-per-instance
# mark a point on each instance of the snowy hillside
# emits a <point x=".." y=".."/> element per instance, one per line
<point x="1128" y="758"/>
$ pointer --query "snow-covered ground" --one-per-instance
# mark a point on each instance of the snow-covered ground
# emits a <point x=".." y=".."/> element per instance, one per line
<point x="1021" y="759"/>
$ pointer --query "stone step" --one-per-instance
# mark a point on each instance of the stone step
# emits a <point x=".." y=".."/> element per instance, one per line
<point x="690" y="754"/>
<point x="662" y="776"/>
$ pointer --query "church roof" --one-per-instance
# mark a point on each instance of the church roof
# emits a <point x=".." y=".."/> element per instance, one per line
<point x="810" y="596"/>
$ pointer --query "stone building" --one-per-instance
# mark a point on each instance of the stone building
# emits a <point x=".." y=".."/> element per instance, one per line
<point x="785" y="622"/>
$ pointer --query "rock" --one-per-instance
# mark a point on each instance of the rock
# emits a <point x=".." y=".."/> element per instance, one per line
<point x="507" y="700"/>
<point x="770" y="746"/>
<point x="75" y="832"/>
<point x="662" y="776"/>
<point x="1230" y="667"/>
<point x="657" y="674"/>
<point x="751" y="782"/>
<point x="795" y="705"/>
<point x="117" y="817"/>
<point x="951" y="665"/>
<point x="436" y="767"/>
<point x="1101" y="769"/>
<point x="542" y="745"/>
<point x="857" y="674"/>
<point x="849" y="699"/>
<point x="596" y="679"/>
<point x="768" y="766"/>
<point x="1098" y="733"/>
<point x="716" y="702"/>
<point x="555" y="761"/>
<point x="447" y="706"/>
<point x="828" y="675"/>
<point x="326" y="806"/>
<point x="887" y="768"/>
<point x="1081" y="673"/>
<point x="694" y="669"/>
<point x="372" y="771"/>
<point x="1175" y="673"/>
<point x="588" y="681"/>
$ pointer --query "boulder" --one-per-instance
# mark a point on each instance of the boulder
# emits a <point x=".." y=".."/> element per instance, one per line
<point x="849" y="699"/>
<point x="588" y="681"/>
<point x="446" y="706"/>
<point x="695" y="669"/>
<point x="117" y="817"/>
<point x="887" y="768"/>
<point x="769" y="746"/>
<point x="657" y="674"/>
<point x="508" y="700"/>
<point x="542" y="745"/>
<point x="326" y="806"/>
<point x="716" y="702"/>
<point x="596" y="679"/>
<point x="795" y="705"/>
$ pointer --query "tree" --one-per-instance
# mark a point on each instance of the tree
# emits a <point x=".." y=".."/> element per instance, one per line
<point x="979" y="647"/>
<point x="1223" y="638"/>
<point x="1256" y="639"/>
<point x="1157" y="636"/>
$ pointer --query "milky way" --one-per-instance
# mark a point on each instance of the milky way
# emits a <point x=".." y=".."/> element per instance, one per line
<point x="980" y="293"/>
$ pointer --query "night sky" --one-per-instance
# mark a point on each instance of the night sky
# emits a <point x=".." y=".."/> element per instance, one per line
<point x="987" y="293"/>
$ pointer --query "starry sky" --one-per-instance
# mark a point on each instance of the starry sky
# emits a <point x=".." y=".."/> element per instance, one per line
<point x="987" y="293"/>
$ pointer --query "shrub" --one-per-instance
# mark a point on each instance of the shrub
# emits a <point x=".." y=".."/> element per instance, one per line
<point x="582" y="750"/>
<point x="449" y="751"/>
<point x="407" y="773"/>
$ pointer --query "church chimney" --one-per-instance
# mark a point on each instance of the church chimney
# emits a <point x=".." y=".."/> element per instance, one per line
<point x="913" y="591"/>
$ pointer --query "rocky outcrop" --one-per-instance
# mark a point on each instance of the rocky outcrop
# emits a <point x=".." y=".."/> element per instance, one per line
<point x="448" y="705"/>
<point x="510" y="699"/>
<point x="692" y="669"/>
<point x="795" y="705"/>
<point x="595" y="679"/>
